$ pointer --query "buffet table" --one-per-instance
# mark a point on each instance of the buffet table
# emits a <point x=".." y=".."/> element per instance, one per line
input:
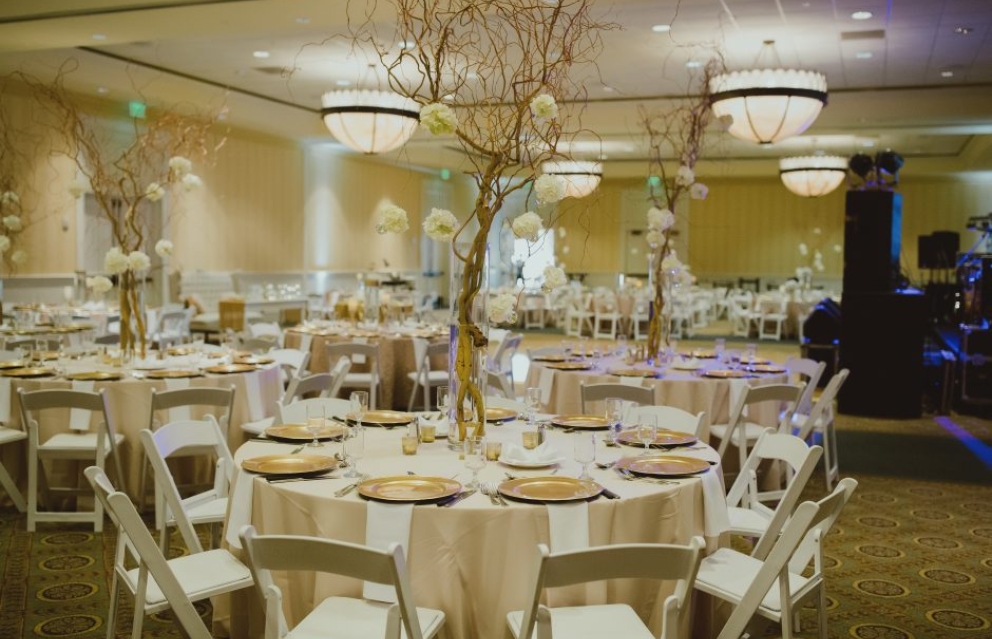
<point x="472" y="560"/>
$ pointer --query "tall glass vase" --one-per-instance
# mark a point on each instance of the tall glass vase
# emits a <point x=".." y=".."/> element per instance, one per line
<point x="660" y="322"/>
<point x="469" y="336"/>
<point x="132" y="324"/>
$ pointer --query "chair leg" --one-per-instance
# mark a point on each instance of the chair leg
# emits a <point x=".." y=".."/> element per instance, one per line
<point x="33" y="487"/>
<point x="115" y="589"/>
<point x="413" y="395"/>
<point x="821" y="609"/>
<point x="8" y="485"/>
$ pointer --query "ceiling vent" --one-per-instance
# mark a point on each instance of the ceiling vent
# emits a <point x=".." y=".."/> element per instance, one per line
<point x="874" y="34"/>
<point x="271" y="70"/>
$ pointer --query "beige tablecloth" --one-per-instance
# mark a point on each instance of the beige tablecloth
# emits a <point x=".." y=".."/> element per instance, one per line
<point x="474" y="560"/>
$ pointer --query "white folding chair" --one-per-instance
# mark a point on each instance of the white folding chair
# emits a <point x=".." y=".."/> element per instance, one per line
<point x="293" y="362"/>
<point x="172" y="328"/>
<point x="266" y="330"/>
<point x="743" y="432"/>
<point x="296" y="412"/>
<point x="638" y="561"/>
<point x="157" y="583"/>
<point x="426" y="377"/>
<point x="774" y="588"/>
<point x="502" y="362"/>
<point x="323" y="385"/>
<point x="820" y="421"/>
<point x="358" y="353"/>
<point x="495" y="401"/>
<point x="350" y="618"/>
<point x="803" y="369"/>
<point x="178" y="439"/>
<point x="82" y="444"/>
<point x="672" y="418"/>
<point x="9" y="436"/>
<point x="600" y="392"/>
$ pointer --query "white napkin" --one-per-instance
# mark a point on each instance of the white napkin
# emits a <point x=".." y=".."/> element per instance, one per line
<point x="543" y="453"/>
<point x="179" y="413"/>
<point x="568" y="526"/>
<point x="545" y="384"/>
<point x="359" y="358"/>
<point x="239" y="506"/>
<point x="5" y="390"/>
<point x="386" y="524"/>
<point x="716" y="520"/>
<point x="253" y="390"/>
<point x="79" y="418"/>
<point x="737" y="387"/>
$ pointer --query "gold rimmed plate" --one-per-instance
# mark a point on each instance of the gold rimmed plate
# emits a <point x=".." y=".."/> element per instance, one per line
<point x="290" y="465"/>
<point x="13" y="363"/>
<point x="549" y="489"/>
<point x="180" y="351"/>
<point x="409" y="488"/>
<point x="725" y="373"/>
<point x="500" y="415"/>
<point x="300" y="432"/>
<point x="571" y="366"/>
<point x="168" y="373"/>
<point x="383" y="418"/>
<point x="700" y="354"/>
<point x="663" y="465"/>
<point x="555" y="359"/>
<point x="44" y="356"/>
<point x="633" y="372"/>
<point x="254" y="360"/>
<point x="687" y="365"/>
<point x="28" y="372"/>
<point x="766" y="368"/>
<point x="580" y="422"/>
<point x="228" y="369"/>
<point x="663" y="439"/>
<point x="93" y="376"/>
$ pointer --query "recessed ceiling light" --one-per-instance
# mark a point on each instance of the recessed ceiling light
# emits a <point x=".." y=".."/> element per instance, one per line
<point x="862" y="15"/>
<point x="261" y="54"/>
<point x="947" y="74"/>
<point x="693" y="64"/>
<point x="99" y="36"/>
<point x="343" y="83"/>
<point x="661" y="28"/>
<point x="863" y="55"/>
<point x="102" y="90"/>
<point x="303" y="20"/>
<point x="963" y="30"/>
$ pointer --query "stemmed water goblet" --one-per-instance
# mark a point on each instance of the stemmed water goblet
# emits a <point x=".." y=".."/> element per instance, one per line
<point x="359" y="405"/>
<point x="315" y="422"/>
<point x="533" y="399"/>
<point x="647" y="431"/>
<point x="474" y="451"/>
<point x="354" y="449"/>
<point x="584" y="451"/>
<point x="443" y="400"/>
<point x="614" y="415"/>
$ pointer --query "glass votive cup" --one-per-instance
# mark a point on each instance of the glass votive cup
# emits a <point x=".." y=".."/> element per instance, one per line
<point x="530" y="439"/>
<point x="409" y="443"/>
<point x="493" y="450"/>
<point x="428" y="433"/>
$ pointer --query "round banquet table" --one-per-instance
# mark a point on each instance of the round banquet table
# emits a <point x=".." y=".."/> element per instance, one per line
<point x="129" y="402"/>
<point x="396" y="357"/>
<point x="690" y="390"/>
<point x="472" y="560"/>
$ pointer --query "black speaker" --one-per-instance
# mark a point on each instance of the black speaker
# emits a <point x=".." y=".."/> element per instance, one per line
<point x="985" y="289"/>
<point x="872" y="241"/>
<point x="925" y="254"/>
<point x="976" y="366"/>
<point x="882" y="336"/>
<point x="946" y="245"/>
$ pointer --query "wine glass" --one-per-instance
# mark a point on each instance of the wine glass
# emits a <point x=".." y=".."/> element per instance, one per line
<point x="621" y="348"/>
<point x="647" y="430"/>
<point x="354" y="449"/>
<point x="584" y="451"/>
<point x="359" y="404"/>
<point x="474" y="450"/>
<point x="533" y="398"/>
<point x="443" y="400"/>
<point x="750" y="352"/>
<point x="315" y="422"/>
<point x="719" y="346"/>
<point x="614" y="415"/>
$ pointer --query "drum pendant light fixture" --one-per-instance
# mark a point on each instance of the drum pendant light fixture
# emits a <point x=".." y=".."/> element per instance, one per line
<point x="812" y="176"/>
<point x="581" y="178"/>
<point x="370" y="121"/>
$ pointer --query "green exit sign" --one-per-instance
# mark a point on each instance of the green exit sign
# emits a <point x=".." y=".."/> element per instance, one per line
<point x="136" y="109"/>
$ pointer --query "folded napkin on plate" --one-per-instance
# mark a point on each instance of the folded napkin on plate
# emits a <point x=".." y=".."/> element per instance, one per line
<point x="384" y="525"/>
<point x="568" y="526"/>
<point x="239" y="506"/>
<point x="543" y="453"/>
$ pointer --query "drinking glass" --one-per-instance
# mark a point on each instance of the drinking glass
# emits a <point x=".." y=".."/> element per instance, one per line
<point x="566" y="347"/>
<point x="750" y="351"/>
<point x="354" y="449"/>
<point x="533" y="399"/>
<point x="647" y="430"/>
<point x="443" y="400"/>
<point x="719" y="346"/>
<point x="315" y="422"/>
<point x="584" y="451"/>
<point x="621" y="349"/>
<point x="359" y="404"/>
<point x="614" y="415"/>
<point x="474" y="450"/>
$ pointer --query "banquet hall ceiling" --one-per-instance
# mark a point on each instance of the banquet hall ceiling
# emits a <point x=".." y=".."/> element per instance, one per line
<point x="915" y="77"/>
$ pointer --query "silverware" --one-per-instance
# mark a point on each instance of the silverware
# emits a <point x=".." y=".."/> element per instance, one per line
<point x="488" y="492"/>
<point x="297" y="449"/>
<point x="465" y="494"/>
<point x="605" y="465"/>
<point x="494" y="493"/>
<point x="629" y="476"/>
<point x="284" y="480"/>
<point x="350" y="487"/>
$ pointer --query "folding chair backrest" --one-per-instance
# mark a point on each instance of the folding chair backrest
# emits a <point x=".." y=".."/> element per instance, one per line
<point x="32" y="402"/>
<point x="296" y="412"/>
<point x="495" y="401"/>
<point x="299" y="387"/>
<point x="200" y="396"/>
<point x="287" y="552"/>
<point x="339" y="371"/>
<point x="293" y="360"/>
<point x="600" y="392"/>
<point x="672" y="418"/>
<point x="823" y="405"/>
<point x="811" y="371"/>
<point x="788" y="394"/>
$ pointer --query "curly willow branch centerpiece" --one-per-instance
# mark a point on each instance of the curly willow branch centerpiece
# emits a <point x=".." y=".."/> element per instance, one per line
<point x="128" y="172"/>
<point x="679" y="131"/>
<point x="495" y="74"/>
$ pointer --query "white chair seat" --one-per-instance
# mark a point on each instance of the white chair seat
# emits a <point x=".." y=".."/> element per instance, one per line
<point x="201" y="575"/>
<point x="348" y="618"/>
<point x="589" y="622"/>
<point x="208" y="511"/>
<point x="357" y="378"/>
<point x="745" y="521"/>
<point x="728" y="574"/>
<point x="434" y="377"/>
<point x="258" y="428"/>
<point x="74" y="443"/>
<point x="8" y="435"/>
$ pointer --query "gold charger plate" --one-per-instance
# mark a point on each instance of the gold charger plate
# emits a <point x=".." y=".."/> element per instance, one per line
<point x="580" y="422"/>
<point x="227" y="369"/>
<point x="725" y="373"/>
<point x="28" y="372"/>
<point x="549" y="489"/>
<point x="633" y="372"/>
<point x="44" y="356"/>
<point x="663" y="465"/>
<point x="759" y="361"/>
<point x="500" y="415"/>
<point x="94" y="376"/>
<point x="300" y="433"/>
<point x="663" y="438"/>
<point x="14" y="363"/>
<point x="383" y="418"/>
<point x="256" y="361"/>
<point x="766" y="368"/>
<point x="550" y="358"/>
<point x="571" y="366"/>
<point x="179" y="351"/>
<point x="166" y="373"/>
<point x="699" y="354"/>
<point x="289" y="464"/>
<point x="408" y="488"/>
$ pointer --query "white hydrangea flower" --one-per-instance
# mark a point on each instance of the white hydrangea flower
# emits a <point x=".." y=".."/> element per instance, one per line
<point x="502" y="309"/>
<point x="660" y="219"/>
<point x="20" y="256"/>
<point x="179" y="166"/>
<point x="4" y="243"/>
<point x="191" y="182"/>
<point x="77" y="188"/>
<point x="685" y="176"/>
<point x="438" y="118"/>
<point x="154" y="192"/>
<point x="554" y="277"/>
<point x="544" y="107"/>
<point x="698" y="191"/>
<point x="138" y="261"/>
<point x="549" y="189"/>
<point x="671" y="262"/>
<point x="99" y="284"/>
<point x="528" y="226"/>
<point x="392" y="219"/>
<point x="9" y="197"/>
<point x="115" y="261"/>
<point x="655" y="238"/>
<point x="803" y="249"/>
<point x="13" y="223"/>
<point x="163" y="248"/>
<point x="441" y="225"/>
